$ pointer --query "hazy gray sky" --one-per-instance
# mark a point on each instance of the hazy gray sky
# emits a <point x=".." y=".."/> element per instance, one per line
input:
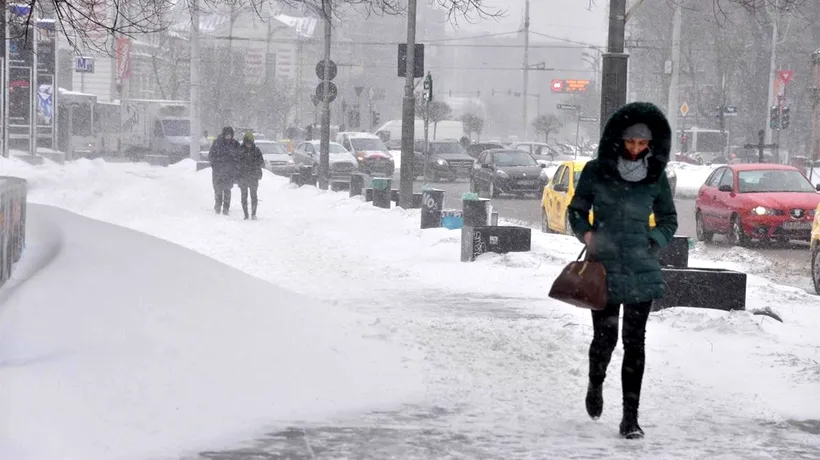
<point x="568" y="19"/>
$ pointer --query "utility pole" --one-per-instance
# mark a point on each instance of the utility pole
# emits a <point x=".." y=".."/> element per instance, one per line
<point x="526" y="92"/>
<point x="614" y="68"/>
<point x="324" y="142"/>
<point x="196" y="126"/>
<point x="4" y="76"/>
<point x="408" y="113"/>
<point x="772" y="69"/>
<point x="674" y="81"/>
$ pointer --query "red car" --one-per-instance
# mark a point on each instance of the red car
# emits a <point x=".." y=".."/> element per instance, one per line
<point x="756" y="201"/>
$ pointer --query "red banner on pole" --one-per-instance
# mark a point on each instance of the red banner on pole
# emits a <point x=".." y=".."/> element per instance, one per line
<point x="123" y="59"/>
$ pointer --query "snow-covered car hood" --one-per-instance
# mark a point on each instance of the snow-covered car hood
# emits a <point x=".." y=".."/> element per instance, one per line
<point x="782" y="200"/>
<point x="341" y="158"/>
<point x="278" y="157"/>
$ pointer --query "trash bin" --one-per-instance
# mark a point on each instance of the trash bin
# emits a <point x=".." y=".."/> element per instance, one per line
<point x="432" y="202"/>
<point x="476" y="212"/>
<point x="356" y="184"/>
<point x="382" y="192"/>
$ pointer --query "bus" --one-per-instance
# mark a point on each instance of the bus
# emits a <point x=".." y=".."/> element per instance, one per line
<point x="708" y="144"/>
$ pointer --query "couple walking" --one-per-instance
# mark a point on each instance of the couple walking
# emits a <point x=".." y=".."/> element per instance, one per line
<point x="235" y="163"/>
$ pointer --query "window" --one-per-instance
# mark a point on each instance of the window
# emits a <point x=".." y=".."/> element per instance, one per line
<point x="177" y="127"/>
<point x="502" y="159"/>
<point x="557" y="177"/>
<point x="565" y="178"/>
<point x="773" y="180"/>
<point x="714" y="179"/>
<point x="366" y="143"/>
<point x="346" y="145"/>
<point x="728" y="179"/>
<point x="157" y="128"/>
<point x="482" y="159"/>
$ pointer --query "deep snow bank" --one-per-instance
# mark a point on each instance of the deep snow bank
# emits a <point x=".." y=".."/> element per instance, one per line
<point x="127" y="346"/>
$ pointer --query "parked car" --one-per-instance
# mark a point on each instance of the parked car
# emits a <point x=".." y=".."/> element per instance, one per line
<point x="277" y="158"/>
<point x="506" y="171"/>
<point x="748" y="201"/>
<point x="447" y="160"/>
<point x="373" y="156"/>
<point x="342" y="163"/>
<point x="542" y="152"/>
<point x="558" y="194"/>
<point x="394" y="147"/>
<point x="474" y="150"/>
<point x="815" y="250"/>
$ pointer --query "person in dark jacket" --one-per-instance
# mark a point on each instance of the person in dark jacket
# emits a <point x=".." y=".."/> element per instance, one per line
<point x="624" y="184"/>
<point x="250" y="172"/>
<point x="222" y="157"/>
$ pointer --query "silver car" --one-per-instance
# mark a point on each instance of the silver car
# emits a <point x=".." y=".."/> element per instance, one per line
<point x="342" y="163"/>
<point x="277" y="158"/>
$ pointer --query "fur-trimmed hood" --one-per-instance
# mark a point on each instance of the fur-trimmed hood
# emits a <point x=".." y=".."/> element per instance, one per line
<point x="612" y="144"/>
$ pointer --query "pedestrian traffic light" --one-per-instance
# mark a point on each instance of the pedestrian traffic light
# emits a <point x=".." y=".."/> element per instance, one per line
<point x="375" y="118"/>
<point x="784" y="118"/>
<point x="428" y="88"/>
<point x="774" y="118"/>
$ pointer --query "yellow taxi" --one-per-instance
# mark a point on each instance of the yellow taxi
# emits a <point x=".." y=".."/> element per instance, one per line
<point x="559" y="192"/>
<point x="815" y="250"/>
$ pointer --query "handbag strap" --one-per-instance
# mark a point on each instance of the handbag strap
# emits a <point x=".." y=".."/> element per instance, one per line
<point x="581" y="255"/>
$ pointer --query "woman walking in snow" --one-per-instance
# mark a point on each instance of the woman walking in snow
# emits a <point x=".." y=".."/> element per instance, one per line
<point x="625" y="184"/>
<point x="250" y="163"/>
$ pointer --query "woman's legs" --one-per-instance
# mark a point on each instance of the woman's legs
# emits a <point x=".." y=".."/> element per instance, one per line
<point x="634" y="334"/>
<point x="254" y="198"/>
<point x="605" y="337"/>
<point x="243" y="189"/>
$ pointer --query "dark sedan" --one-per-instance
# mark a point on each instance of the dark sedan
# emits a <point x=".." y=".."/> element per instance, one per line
<point x="507" y="171"/>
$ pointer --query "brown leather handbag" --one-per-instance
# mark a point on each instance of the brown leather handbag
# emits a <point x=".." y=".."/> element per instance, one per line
<point x="582" y="283"/>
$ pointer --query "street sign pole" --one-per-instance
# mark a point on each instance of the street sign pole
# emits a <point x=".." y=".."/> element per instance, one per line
<point x="577" y="133"/>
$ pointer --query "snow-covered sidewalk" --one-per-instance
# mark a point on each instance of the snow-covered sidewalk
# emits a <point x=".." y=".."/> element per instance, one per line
<point x="505" y="367"/>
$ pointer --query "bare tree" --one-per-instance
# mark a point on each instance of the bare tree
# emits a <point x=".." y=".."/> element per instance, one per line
<point x="547" y="124"/>
<point x="473" y="124"/>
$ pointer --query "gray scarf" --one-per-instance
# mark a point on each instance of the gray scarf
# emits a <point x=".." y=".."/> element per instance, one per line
<point x="633" y="171"/>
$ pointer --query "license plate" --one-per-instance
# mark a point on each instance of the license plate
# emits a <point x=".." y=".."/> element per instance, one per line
<point x="526" y="182"/>
<point x="797" y="225"/>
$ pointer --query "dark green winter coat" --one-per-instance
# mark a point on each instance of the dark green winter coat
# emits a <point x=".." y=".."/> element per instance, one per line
<point x="623" y="241"/>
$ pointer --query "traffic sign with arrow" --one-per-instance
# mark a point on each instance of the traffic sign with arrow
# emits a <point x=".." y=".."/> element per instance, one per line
<point x="568" y="107"/>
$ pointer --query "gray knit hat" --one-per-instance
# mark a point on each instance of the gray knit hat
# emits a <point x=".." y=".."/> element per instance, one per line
<point x="638" y="131"/>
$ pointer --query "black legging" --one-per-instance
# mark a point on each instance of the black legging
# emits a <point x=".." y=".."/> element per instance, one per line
<point x="243" y="188"/>
<point x="605" y="326"/>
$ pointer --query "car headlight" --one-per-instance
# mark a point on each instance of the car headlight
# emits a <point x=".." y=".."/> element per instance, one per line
<point x="290" y="161"/>
<point x="441" y="163"/>
<point x="670" y="173"/>
<point x="763" y="211"/>
<point x="502" y="175"/>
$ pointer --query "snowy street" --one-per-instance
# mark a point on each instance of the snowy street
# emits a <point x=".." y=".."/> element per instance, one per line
<point x="150" y="350"/>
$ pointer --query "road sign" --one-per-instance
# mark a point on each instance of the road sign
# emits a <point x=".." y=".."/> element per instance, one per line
<point x="589" y="118"/>
<point x="333" y="91"/>
<point x="84" y="64"/>
<point x="574" y="86"/>
<point x="359" y="90"/>
<point x="684" y="108"/>
<point x="785" y="75"/>
<point x="557" y="86"/>
<point x="730" y="111"/>
<point x="332" y="70"/>
<point x="568" y="107"/>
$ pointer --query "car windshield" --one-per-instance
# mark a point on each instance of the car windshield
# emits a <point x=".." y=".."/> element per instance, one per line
<point x="773" y="180"/>
<point x="451" y="148"/>
<point x="334" y="148"/>
<point x="364" y="143"/>
<point x="272" y="148"/>
<point x="514" y="159"/>
<point x="577" y="176"/>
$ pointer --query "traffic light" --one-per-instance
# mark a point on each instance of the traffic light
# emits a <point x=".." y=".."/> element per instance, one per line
<point x="375" y="118"/>
<point x="784" y="118"/>
<point x="774" y="118"/>
<point x="428" y="88"/>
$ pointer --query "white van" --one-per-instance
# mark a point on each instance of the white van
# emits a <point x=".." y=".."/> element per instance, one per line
<point x="443" y="130"/>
